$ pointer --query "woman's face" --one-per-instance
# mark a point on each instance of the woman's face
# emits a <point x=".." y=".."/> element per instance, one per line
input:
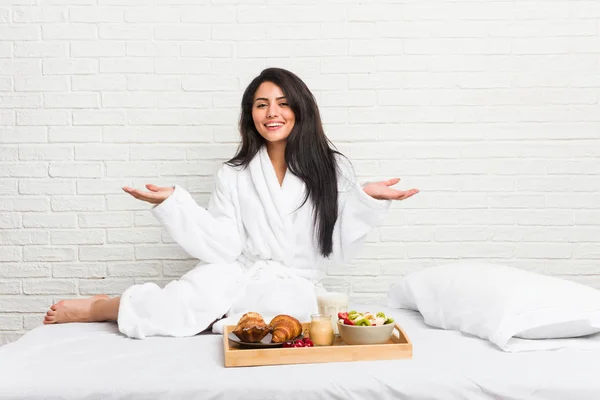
<point x="273" y="117"/>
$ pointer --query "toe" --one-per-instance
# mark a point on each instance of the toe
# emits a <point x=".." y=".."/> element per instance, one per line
<point x="57" y="305"/>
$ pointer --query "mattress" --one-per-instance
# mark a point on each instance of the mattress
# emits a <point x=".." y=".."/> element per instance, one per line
<point x="94" y="361"/>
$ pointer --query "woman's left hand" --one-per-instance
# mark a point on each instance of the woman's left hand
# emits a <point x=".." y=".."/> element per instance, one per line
<point x="383" y="191"/>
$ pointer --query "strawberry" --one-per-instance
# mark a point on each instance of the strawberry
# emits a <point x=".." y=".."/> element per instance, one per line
<point x="343" y="315"/>
<point x="348" y="321"/>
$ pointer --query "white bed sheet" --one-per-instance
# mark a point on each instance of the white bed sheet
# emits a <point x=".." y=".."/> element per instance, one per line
<point x="94" y="361"/>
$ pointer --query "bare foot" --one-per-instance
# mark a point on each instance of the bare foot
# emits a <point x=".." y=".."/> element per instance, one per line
<point x="76" y="310"/>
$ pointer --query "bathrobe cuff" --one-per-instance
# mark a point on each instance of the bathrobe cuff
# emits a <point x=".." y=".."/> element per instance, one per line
<point x="165" y="209"/>
<point x="209" y="234"/>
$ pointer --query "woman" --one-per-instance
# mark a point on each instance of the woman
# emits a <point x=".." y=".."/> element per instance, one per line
<point x="282" y="206"/>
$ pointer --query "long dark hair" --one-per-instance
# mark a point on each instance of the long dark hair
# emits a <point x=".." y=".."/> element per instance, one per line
<point x="308" y="152"/>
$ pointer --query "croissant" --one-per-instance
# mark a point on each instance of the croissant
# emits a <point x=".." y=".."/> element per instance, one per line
<point x="251" y="328"/>
<point x="284" y="328"/>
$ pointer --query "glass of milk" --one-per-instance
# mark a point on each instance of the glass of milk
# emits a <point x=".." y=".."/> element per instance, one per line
<point x="332" y="298"/>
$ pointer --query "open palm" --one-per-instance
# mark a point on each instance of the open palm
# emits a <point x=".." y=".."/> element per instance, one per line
<point x="156" y="195"/>
<point x="383" y="191"/>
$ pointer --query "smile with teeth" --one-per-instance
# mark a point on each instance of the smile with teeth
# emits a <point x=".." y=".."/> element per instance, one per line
<point x="274" y="125"/>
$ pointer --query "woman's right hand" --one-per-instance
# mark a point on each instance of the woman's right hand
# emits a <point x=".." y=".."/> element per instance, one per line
<point x="156" y="195"/>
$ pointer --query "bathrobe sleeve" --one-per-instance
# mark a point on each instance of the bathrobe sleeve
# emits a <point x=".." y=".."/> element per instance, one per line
<point x="358" y="213"/>
<point x="213" y="234"/>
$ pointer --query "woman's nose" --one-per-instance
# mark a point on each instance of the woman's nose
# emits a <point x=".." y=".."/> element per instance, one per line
<point x="272" y="111"/>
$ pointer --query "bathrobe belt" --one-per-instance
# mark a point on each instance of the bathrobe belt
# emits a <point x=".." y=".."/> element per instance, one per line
<point x="279" y="270"/>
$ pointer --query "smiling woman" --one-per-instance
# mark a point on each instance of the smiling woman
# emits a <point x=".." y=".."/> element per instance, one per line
<point x="283" y="205"/>
<point x="272" y="115"/>
<point x="280" y="112"/>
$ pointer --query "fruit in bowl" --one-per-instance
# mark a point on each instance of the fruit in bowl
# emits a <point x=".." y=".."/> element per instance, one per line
<point x="365" y="328"/>
<point x="364" y="319"/>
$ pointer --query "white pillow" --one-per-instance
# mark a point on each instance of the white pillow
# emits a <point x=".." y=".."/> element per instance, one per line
<point x="502" y="304"/>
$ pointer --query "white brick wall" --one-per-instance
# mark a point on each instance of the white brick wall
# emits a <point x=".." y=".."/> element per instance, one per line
<point x="491" y="108"/>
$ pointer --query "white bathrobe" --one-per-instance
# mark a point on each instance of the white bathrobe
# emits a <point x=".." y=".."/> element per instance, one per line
<point x="260" y="248"/>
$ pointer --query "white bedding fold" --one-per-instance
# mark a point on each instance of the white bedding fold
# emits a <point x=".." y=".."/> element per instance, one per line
<point x="92" y="361"/>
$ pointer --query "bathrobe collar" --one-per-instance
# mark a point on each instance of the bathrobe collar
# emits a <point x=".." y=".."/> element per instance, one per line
<point x="280" y="201"/>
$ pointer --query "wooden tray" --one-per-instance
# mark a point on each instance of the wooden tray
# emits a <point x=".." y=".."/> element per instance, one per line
<point x="399" y="346"/>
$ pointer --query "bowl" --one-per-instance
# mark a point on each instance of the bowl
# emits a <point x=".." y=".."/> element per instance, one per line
<point x="352" y="334"/>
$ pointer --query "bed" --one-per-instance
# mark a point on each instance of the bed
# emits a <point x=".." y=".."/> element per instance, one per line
<point x="94" y="361"/>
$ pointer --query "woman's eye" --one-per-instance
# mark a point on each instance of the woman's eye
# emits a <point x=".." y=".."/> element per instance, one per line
<point x="261" y="106"/>
<point x="283" y="104"/>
